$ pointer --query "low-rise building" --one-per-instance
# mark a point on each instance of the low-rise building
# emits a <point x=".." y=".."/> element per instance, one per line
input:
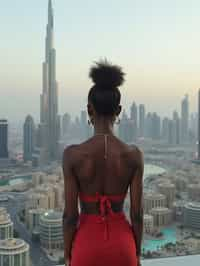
<point x="6" y="225"/>
<point x="161" y="216"/>
<point x="51" y="230"/>
<point x="14" y="252"/>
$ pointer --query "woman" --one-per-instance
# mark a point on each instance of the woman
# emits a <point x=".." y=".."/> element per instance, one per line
<point x="99" y="172"/>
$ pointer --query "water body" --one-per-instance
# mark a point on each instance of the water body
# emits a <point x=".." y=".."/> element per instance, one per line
<point x="169" y="236"/>
<point x="151" y="169"/>
<point x="18" y="179"/>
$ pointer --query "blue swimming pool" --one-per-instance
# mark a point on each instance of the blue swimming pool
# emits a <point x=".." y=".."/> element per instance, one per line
<point x="154" y="244"/>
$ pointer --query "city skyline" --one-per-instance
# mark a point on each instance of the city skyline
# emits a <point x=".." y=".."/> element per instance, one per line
<point x="156" y="46"/>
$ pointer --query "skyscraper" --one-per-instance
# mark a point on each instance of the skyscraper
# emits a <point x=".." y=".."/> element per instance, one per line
<point x="134" y="119"/>
<point x="29" y="138"/>
<point x="3" y="139"/>
<point x="176" y="121"/>
<point x="49" y="118"/>
<point x="66" y="123"/>
<point x="185" y="119"/>
<point x="156" y="126"/>
<point x="199" y="125"/>
<point x="141" y="120"/>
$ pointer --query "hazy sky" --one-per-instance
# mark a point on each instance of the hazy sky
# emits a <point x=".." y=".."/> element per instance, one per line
<point x="157" y="42"/>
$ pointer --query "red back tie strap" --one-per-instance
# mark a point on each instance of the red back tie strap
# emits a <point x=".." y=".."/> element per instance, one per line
<point x="105" y="207"/>
<point x="105" y="210"/>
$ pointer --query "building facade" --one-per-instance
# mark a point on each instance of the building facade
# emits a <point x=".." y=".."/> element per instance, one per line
<point x="148" y="224"/>
<point x="3" y="139"/>
<point x="29" y="138"/>
<point x="192" y="215"/>
<point x="14" y="252"/>
<point x="153" y="200"/>
<point x="169" y="190"/>
<point x="161" y="216"/>
<point x="6" y="225"/>
<point x="49" y="118"/>
<point x="51" y="230"/>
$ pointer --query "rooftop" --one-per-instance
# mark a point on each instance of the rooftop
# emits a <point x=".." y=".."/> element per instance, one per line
<point x="12" y="243"/>
<point x="52" y="215"/>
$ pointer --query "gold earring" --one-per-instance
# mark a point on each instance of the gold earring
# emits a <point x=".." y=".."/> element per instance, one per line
<point x="118" y="121"/>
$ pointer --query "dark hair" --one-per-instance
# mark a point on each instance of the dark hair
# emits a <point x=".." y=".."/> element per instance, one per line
<point x="105" y="95"/>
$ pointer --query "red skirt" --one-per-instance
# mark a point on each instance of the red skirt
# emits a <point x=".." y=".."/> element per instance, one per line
<point x="104" y="241"/>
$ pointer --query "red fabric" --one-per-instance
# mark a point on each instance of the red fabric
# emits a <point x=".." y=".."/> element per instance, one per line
<point x="105" y="239"/>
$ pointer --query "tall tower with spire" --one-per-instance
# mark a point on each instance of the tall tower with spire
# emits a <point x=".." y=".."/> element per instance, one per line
<point x="49" y="119"/>
<point x="199" y="125"/>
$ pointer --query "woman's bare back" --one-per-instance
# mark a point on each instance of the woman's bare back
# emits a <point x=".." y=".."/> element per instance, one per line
<point x="110" y="175"/>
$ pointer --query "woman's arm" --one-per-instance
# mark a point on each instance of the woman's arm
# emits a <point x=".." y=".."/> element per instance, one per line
<point x="136" y="201"/>
<point x="71" y="214"/>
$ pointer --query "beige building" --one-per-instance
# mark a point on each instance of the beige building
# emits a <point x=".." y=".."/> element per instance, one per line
<point x="6" y="225"/>
<point x="14" y="252"/>
<point x="47" y="189"/>
<point x="169" y="190"/>
<point x="153" y="200"/>
<point x="194" y="192"/>
<point x="43" y="197"/>
<point x="37" y="178"/>
<point x="148" y="223"/>
<point x="59" y="196"/>
<point x="161" y="216"/>
<point x="37" y="201"/>
<point x="51" y="230"/>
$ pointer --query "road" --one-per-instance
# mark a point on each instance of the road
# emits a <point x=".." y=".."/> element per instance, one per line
<point x="14" y="205"/>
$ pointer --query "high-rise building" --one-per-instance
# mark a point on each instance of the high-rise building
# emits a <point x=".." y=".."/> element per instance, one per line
<point x="49" y="117"/>
<point x="126" y="128"/>
<point x="14" y="252"/>
<point x="134" y="119"/>
<point x="29" y="138"/>
<point x="149" y="125"/>
<point x="165" y="129"/>
<point x="66" y="123"/>
<point x="199" y="125"/>
<point x="156" y="126"/>
<point x="192" y="215"/>
<point x="141" y="120"/>
<point x="171" y="132"/>
<point x="176" y="121"/>
<point x="185" y="119"/>
<point x="3" y="139"/>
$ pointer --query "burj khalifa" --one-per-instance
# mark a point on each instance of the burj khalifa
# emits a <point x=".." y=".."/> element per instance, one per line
<point x="49" y="118"/>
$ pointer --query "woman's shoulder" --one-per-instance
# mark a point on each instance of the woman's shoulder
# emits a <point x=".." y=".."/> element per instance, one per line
<point x="75" y="151"/>
<point x="133" y="155"/>
<point x="133" y="150"/>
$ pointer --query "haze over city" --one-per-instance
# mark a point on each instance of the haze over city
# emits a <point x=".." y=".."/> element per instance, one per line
<point x="46" y="50"/>
<point x="156" y="44"/>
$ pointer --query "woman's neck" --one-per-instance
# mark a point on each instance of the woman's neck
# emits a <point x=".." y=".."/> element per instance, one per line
<point x="103" y="126"/>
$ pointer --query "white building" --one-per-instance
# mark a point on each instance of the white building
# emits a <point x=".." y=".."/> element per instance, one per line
<point x="51" y="230"/>
<point x="6" y="225"/>
<point x="14" y="252"/>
